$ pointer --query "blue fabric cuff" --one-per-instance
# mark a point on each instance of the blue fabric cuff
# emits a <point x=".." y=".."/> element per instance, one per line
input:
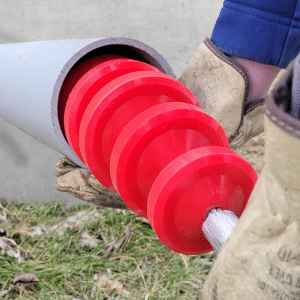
<point x="259" y="35"/>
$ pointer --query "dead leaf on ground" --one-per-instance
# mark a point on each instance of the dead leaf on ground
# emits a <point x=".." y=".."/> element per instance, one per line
<point x="6" y="248"/>
<point x="104" y="282"/>
<point x="142" y="219"/>
<point x="113" y="247"/>
<point x="87" y="241"/>
<point x="39" y="230"/>
<point x="204" y="261"/>
<point x="25" y="279"/>
<point x="9" y="242"/>
<point x="27" y="255"/>
<point x="74" y="222"/>
<point x="4" y="293"/>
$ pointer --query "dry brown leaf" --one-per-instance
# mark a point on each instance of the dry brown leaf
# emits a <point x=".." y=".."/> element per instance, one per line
<point x="75" y="221"/>
<point x="87" y="241"/>
<point x="39" y="230"/>
<point x="27" y="255"/>
<point x="3" y="245"/>
<point x="142" y="219"/>
<point x="103" y="282"/>
<point x="4" y="293"/>
<point x="9" y="242"/>
<point x="25" y="279"/>
<point x="6" y="248"/>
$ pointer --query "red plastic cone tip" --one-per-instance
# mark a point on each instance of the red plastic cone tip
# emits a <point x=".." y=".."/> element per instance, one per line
<point x="192" y="185"/>
<point x="72" y="78"/>
<point x="114" y="106"/>
<point x="88" y="86"/>
<point x="151" y="141"/>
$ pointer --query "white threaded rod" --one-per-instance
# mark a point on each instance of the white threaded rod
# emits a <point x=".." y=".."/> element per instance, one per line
<point x="218" y="227"/>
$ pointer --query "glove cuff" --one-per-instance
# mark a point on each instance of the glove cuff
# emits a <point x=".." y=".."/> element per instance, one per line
<point x="221" y="86"/>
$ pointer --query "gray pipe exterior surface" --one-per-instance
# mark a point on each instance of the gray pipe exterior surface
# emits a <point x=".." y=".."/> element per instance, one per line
<point x="32" y="74"/>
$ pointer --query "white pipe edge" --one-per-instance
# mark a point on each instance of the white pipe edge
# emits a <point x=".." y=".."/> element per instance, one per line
<point x="32" y="74"/>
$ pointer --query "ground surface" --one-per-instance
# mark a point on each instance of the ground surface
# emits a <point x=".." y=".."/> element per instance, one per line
<point x="54" y="252"/>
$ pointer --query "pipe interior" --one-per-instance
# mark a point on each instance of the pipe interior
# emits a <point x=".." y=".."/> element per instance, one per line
<point x="117" y="49"/>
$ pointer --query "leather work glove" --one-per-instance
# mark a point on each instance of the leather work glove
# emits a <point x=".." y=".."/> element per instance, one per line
<point x="261" y="258"/>
<point x="82" y="184"/>
<point x="221" y="86"/>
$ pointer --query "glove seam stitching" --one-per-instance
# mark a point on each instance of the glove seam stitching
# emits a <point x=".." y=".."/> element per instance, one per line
<point x="238" y="68"/>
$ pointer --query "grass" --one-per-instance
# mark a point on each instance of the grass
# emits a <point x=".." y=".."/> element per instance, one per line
<point x="125" y="261"/>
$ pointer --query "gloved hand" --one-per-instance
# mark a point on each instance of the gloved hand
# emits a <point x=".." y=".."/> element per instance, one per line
<point x="261" y="258"/>
<point x="221" y="85"/>
<point x="82" y="184"/>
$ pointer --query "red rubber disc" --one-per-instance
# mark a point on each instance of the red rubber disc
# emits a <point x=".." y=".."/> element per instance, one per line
<point x="74" y="75"/>
<point x="189" y="187"/>
<point x="88" y="86"/>
<point x="152" y="140"/>
<point x="116" y="105"/>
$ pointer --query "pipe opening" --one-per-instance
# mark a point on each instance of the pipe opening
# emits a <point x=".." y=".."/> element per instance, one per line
<point x="128" y="51"/>
<point x="124" y="50"/>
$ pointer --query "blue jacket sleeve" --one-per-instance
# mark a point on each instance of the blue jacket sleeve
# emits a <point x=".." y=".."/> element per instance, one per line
<point x="266" y="31"/>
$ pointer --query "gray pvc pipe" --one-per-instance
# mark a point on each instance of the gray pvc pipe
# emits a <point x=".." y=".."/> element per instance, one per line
<point x="32" y="74"/>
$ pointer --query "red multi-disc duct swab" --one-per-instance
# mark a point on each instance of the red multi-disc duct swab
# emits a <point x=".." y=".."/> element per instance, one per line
<point x="115" y="106"/>
<point x="73" y="77"/>
<point x="151" y="141"/>
<point x="143" y="134"/>
<point x="88" y="86"/>
<point x="189" y="188"/>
